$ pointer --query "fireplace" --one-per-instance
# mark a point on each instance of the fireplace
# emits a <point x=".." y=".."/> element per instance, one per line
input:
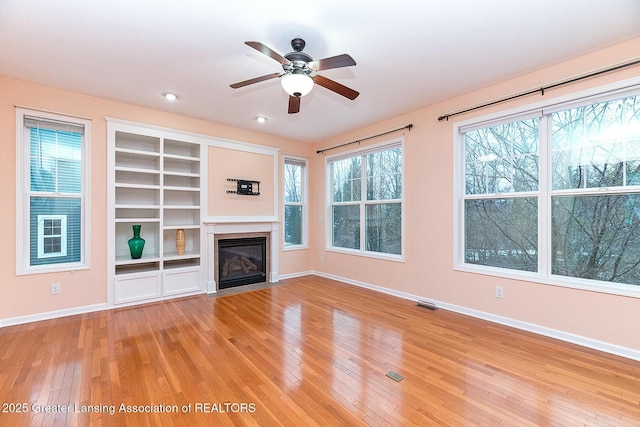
<point x="241" y="261"/>
<point x="240" y="228"/>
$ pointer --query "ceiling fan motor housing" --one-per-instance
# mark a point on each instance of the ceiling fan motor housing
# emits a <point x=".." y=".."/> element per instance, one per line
<point x="298" y="44"/>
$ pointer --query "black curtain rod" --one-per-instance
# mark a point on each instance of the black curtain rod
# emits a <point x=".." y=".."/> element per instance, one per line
<point x="409" y="126"/>
<point x="542" y="89"/>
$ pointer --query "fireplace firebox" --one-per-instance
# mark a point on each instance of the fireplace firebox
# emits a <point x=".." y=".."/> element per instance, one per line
<point x="241" y="261"/>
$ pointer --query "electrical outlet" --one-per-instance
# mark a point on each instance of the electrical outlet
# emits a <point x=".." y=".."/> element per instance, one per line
<point x="321" y="258"/>
<point x="55" y="288"/>
<point x="499" y="292"/>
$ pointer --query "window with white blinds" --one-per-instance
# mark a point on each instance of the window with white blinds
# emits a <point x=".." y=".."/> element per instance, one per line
<point x="52" y="183"/>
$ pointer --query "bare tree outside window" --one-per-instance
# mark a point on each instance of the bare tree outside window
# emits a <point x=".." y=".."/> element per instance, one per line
<point x="501" y="168"/>
<point x="293" y="182"/>
<point x="367" y="202"/>
<point x="597" y="236"/>
<point x="594" y="193"/>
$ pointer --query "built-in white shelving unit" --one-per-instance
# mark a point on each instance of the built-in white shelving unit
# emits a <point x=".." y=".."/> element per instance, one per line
<point x="155" y="180"/>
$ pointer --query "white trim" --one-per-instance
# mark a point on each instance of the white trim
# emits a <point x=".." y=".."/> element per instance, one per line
<point x="205" y="139"/>
<point x="237" y="226"/>
<point x="234" y="219"/>
<point x="545" y="191"/>
<point x="295" y="275"/>
<point x="304" y="203"/>
<point x="328" y="184"/>
<point x="23" y="196"/>
<point x="62" y="236"/>
<point x="19" y="320"/>
<point x="606" y="347"/>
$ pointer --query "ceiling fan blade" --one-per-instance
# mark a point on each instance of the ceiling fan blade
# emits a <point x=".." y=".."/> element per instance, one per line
<point x="332" y="62"/>
<point x="336" y="87"/>
<point x="294" y="104"/>
<point x="267" y="51"/>
<point x="255" y="80"/>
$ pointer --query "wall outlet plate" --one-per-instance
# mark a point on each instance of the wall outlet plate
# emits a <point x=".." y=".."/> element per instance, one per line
<point x="55" y="288"/>
<point x="499" y="292"/>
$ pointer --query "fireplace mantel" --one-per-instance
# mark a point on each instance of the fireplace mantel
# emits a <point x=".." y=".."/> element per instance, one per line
<point x="237" y="225"/>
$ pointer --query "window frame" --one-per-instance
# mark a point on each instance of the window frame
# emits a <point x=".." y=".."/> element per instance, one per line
<point x="304" y="203"/>
<point x="545" y="192"/>
<point x="24" y="195"/>
<point x="42" y="237"/>
<point x="363" y="202"/>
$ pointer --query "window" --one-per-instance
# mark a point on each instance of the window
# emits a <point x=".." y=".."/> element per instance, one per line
<point x="295" y="201"/>
<point x="555" y="194"/>
<point x="501" y="203"/>
<point x="52" y="236"/>
<point x="51" y="206"/>
<point x="366" y="201"/>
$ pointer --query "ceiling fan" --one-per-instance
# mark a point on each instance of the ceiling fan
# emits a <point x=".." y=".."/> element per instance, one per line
<point x="298" y="66"/>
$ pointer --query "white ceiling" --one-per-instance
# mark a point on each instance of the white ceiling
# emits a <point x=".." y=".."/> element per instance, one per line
<point x="409" y="53"/>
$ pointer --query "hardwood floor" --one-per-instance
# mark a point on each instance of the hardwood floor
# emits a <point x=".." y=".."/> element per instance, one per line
<point x="309" y="352"/>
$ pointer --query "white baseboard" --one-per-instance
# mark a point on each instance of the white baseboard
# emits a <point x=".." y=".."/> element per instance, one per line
<point x="18" y="320"/>
<point x="606" y="347"/>
<point x="294" y="275"/>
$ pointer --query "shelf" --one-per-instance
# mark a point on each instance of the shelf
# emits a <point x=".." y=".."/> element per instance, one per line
<point x="179" y="157"/>
<point x="138" y="186"/>
<point x="137" y="220"/>
<point x="137" y="142"/>
<point x="185" y="226"/>
<point x="146" y="258"/>
<point x="172" y="256"/>
<point x="130" y="271"/>
<point x="137" y="170"/>
<point x="128" y="195"/>
<point x="181" y="263"/>
<point x="181" y="149"/>
<point x="156" y="183"/>
<point x="184" y="174"/>
<point x="181" y="207"/>
<point x="132" y="206"/>
<point x="181" y="189"/>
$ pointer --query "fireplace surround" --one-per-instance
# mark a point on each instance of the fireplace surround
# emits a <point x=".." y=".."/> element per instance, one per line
<point x="224" y="229"/>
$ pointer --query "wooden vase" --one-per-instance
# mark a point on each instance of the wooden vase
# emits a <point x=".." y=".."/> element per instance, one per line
<point x="180" y="241"/>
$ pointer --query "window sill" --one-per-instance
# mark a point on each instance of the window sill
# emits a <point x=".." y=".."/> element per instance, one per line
<point x="294" y="247"/>
<point x="554" y="280"/>
<point x="46" y="269"/>
<point x="366" y="254"/>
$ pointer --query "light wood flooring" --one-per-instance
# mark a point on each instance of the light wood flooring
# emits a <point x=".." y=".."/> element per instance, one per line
<point x="310" y="352"/>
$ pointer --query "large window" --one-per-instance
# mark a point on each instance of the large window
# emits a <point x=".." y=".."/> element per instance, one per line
<point x="366" y="201"/>
<point x="51" y="176"/>
<point x="555" y="194"/>
<point x="295" y="201"/>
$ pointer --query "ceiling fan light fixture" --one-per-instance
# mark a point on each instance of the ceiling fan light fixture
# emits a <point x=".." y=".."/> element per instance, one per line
<point x="297" y="84"/>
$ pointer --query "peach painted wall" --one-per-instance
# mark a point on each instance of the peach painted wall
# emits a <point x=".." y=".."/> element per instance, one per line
<point x="227" y="163"/>
<point x="31" y="294"/>
<point x="428" y="267"/>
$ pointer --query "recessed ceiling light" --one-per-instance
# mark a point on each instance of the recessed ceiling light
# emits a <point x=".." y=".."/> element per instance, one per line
<point x="261" y="119"/>
<point x="170" y="96"/>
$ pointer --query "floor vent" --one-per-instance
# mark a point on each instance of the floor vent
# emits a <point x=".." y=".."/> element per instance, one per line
<point x="395" y="376"/>
<point x="426" y="304"/>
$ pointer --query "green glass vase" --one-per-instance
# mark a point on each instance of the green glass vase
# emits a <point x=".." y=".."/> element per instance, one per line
<point x="136" y="243"/>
